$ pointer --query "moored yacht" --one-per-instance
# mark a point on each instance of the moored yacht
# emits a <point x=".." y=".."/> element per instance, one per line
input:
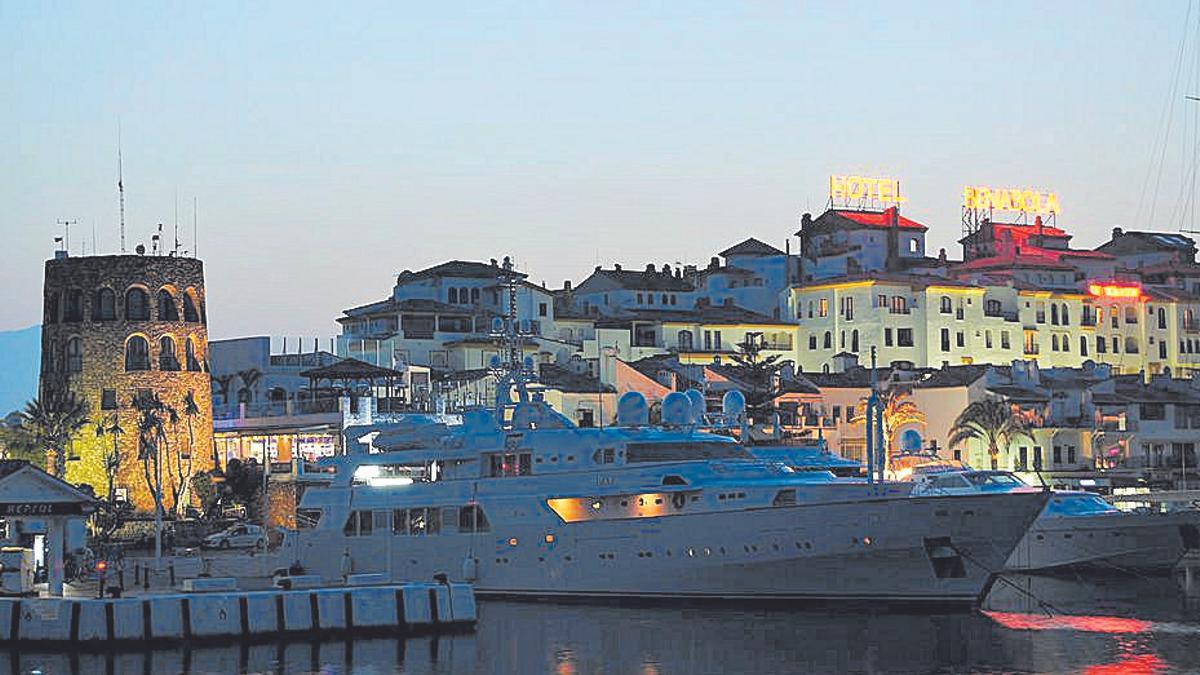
<point x="538" y="507"/>
<point x="1078" y="529"/>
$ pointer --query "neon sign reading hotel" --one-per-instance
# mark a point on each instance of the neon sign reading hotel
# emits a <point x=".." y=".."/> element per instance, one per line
<point x="979" y="197"/>
<point x="856" y="188"/>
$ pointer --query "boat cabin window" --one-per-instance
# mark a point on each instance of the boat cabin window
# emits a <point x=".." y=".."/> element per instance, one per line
<point x="673" y="451"/>
<point x="672" y="479"/>
<point x="994" y="479"/>
<point x="359" y="524"/>
<point x="604" y="456"/>
<point x="954" y="481"/>
<point x="472" y="519"/>
<point x="307" y="519"/>
<point x="508" y="464"/>
<point x="416" y="521"/>
<point x="784" y="498"/>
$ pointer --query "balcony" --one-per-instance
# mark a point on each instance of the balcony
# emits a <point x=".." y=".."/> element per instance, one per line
<point x="1000" y="314"/>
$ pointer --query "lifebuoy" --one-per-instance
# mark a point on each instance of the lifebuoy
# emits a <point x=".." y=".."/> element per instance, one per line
<point x="678" y="500"/>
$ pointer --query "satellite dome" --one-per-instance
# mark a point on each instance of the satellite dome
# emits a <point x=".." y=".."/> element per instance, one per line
<point x="497" y="325"/>
<point x="494" y="362"/>
<point x="698" y="405"/>
<point x="676" y="409"/>
<point x="632" y="410"/>
<point x="733" y="405"/>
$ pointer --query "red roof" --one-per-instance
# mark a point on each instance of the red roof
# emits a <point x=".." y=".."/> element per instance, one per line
<point x="1035" y="229"/>
<point x="879" y="218"/>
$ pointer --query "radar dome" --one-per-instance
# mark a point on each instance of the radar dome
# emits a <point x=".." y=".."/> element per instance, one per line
<point x="698" y="405"/>
<point x="497" y="325"/>
<point x="733" y="404"/>
<point x="632" y="410"/>
<point x="676" y="409"/>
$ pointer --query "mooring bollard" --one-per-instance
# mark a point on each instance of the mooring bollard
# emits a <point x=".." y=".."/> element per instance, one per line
<point x="146" y="579"/>
<point x="171" y="569"/>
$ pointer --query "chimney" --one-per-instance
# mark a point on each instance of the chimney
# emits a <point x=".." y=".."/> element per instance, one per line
<point x="892" y="215"/>
<point x="714" y="262"/>
<point x="1117" y="233"/>
<point x="666" y="269"/>
<point x="617" y="266"/>
<point x="567" y="285"/>
<point x="494" y="262"/>
<point x="805" y="220"/>
<point x="650" y="268"/>
<point x="942" y="254"/>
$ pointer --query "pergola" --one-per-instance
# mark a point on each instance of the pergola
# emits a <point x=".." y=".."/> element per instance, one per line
<point x="349" y="373"/>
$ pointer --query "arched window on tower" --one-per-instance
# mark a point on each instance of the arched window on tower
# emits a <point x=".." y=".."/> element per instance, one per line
<point x="190" y="314"/>
<point x="167" y="359"/>
<point x="137" y="305"/>
<point x="137" y="353"/>
<point x="193" y="364"/>
<point x="74" y="355"/>
<point x="73" y="311"/>
<point x="104" y="305"/>
<point x="167" y="310"/>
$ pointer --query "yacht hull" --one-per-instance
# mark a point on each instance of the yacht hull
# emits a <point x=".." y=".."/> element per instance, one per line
<point x="904" y="550"/>
<point x="1112" y="542"/>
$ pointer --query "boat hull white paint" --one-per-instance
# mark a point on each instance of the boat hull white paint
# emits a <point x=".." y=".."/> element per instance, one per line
<point x="1116" y="542"/>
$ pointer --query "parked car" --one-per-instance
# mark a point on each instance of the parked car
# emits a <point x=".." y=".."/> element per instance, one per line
<point x="242" y="535"/>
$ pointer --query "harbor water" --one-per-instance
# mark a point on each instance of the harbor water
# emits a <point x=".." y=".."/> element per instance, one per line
<point x="1029" y="625"/>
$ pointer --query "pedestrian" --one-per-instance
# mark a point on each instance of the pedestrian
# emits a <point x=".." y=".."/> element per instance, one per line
<point x="347" y="565"/>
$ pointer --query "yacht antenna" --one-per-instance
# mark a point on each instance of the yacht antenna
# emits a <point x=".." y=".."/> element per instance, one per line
<point x="511" y="370"/>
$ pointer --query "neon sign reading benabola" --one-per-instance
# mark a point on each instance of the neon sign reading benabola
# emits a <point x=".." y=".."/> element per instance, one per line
<point x="857" y="188"/>
<point x="1010" y="199"/>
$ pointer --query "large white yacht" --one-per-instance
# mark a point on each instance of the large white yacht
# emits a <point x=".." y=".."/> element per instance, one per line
<point x="539" y="507"/>
<point x="1078" y="529"/>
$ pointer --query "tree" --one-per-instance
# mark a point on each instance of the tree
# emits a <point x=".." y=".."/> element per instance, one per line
<point x="178" y="461"/>
<point x="760" y="374"/>
<point x="153" y="443"/>
<point x="991" y="422"/>
<point x="249" y="378"/>
<point x="52" y="421"/>
<point x="18" y="443"/>
<point x="899" y="411"/>
<point x="224" y="382"/>
<point x="112" y="456"/>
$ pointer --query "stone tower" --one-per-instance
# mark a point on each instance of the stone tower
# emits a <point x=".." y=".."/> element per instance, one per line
<point x="118" y="325"/>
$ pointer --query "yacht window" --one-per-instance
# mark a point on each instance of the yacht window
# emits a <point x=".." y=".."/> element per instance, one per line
<point x="382" y="520"/>
<point x="604" y="456"/>
<point x="673" y="480"/>
<point x="994" y="479"/>
<point x="307" y="519"/>
<point x="950" y="482"/>
<point x="472" y="519"/>
<point x="508" y="464"/>
<point x="675" y="452"/>
<point x="784" y="498"/>
<point x="358" y="524"/>
<point x="417" y="521"/>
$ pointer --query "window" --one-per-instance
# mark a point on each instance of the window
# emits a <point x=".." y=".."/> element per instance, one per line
<point x="1054" y="343"/>
<point x="664" y="299"/>
<point x="810" y="309"/>
<point x="51" y="313"/>
<point x="190" y="314"/>
<point x="452" y="295"/>
<point x="104" y="305"/>
<point x="508" y="464"/>
<point x="945" y="339"/>
<point x="1066" y="318"/>
<point x="1083" y="349"/>
<point x="1041" y="312"/>
<point x="1022" y="458"/>
<point x="1054" y="313"/>
<point x="417" y="521"/>
<point x="904" y="337"/>
<point x="992" y="308"/>
<point x="137" y="354"/>
<point x="1131" y="314"/>
<point x="359" y="524"/>
<point x="899" y="305"/>
<point x="474" y="295"/>
<point x="828" y="340"/>
<point x="167" y="311"/>
<point x="812" y="341"/>
<point x="1153" y="411"/>
<point x="987" y="339"/>
<point x="1070" y="454"/>
<point x="193" y="364"/>
<point x="604" y="456"/>
<point x="823" y="307"/>
<point x="1162" y="318"/>
<point x="167" y="360"/>
<point x="1101" y="345"/>
<point x="1004" y="343"/>
<point x="1116" y="345"/>
<point x="542" y="309"/>
<point x="1162" y="349"/>
<point x="837" y="413"/>
<point x="947" y="307"/>
<point x="960" y="339"/>
<point x="472" y="519"/>
<point x="1058" y="454"/>
<point x="887" y="337"/>
<point x="881" y="300"/>
<point x="108" y="399"/>
<point x="1114" y="317"/>
<point x="650" y="298"/>
<point x="685" y="340"/>
<point x="73" y="310"/>
<point x="854" y="341"/>
<point x="137" y="305"/>
<point x="74" y="355"/>
<point x="848" y="308"/>
<point x="1031" y="345"/>
<point x="842" y="340"/>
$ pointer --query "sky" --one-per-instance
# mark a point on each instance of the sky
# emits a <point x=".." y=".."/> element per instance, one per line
<point x="330" y="146"/>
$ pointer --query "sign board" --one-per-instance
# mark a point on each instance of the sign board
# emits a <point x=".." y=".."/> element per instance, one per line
<point x="848" y="189"/>
<point x="46" y="509"/>
<point x="983" y="198"/>
<point x="1115" y="291"/>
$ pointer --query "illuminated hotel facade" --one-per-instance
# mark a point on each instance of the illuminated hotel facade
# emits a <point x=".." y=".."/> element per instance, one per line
<point x="1020" y="292"/>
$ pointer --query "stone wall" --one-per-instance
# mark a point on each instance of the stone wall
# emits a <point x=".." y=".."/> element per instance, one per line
<point x="97" y="362"/>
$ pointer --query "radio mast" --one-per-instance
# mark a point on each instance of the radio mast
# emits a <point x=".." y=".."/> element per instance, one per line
<point x="121" y="185"/>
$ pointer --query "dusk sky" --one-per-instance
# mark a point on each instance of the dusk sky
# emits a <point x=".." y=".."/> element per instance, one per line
<point x="332" y="146"/>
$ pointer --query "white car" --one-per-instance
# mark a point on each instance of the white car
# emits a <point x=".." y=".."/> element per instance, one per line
<point x="238" y="536"/>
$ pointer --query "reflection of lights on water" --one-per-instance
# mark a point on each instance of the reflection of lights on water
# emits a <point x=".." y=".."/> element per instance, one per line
<point x="1086" y="624"/>
<point x="1137" y="663"/>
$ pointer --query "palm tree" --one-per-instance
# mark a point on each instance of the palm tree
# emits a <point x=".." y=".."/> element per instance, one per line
<point x="899" y="411"/>
<point x="249" y="378"/>
<point x="991" y="422"/>
<point x="183" y="460"/>
<point x="224" y="382"/>
<point x="112" y="458"/>
<point x="52" y="420"/>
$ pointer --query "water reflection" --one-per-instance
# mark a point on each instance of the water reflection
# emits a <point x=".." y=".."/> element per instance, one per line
<point x="1118" y="625"/>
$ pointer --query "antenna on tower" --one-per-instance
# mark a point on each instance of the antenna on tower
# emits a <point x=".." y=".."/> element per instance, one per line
<point x="67" y="232"/>
<point x="156" y="241"/>
<point x="121" y="184"/>
<point x="175" y="251"/>
<point x="195" y="242"/>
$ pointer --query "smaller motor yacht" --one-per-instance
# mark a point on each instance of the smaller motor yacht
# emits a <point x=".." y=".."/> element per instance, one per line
<point x="1078" y="529"/>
